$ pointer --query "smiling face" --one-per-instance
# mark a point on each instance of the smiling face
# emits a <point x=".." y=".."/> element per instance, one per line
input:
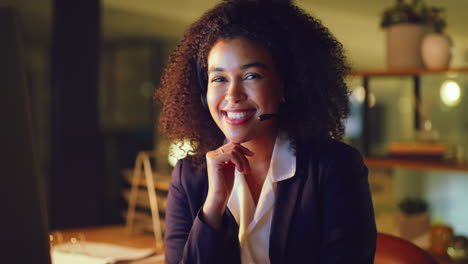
<point x="243" y="83"/>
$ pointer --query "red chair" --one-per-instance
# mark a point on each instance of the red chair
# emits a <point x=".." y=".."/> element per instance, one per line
<point x="394" y="250"/>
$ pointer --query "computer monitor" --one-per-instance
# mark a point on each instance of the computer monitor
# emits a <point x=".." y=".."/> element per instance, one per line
<point x="24" y="233"/>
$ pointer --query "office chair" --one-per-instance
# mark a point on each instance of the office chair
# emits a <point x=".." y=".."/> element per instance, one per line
<point x="394" y="250"/>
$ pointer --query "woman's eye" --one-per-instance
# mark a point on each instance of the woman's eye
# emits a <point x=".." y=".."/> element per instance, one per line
<point x="218" y="79"/>
<point x="252" y="76"/>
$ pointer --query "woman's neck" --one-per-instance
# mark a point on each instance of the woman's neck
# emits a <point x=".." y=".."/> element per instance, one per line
<point x="262" y="147"/>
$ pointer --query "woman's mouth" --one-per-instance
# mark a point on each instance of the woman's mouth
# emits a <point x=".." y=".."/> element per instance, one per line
<point x="238" y="117"/>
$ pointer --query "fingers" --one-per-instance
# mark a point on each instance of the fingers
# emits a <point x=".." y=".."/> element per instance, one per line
<point x="220" y="166"/>
<point x="233" y="152"/>
<point x="245" y="150"/>
<point x="237" y="160"/>
<point x="244" y="162"/>
<point x="239" y="154"/>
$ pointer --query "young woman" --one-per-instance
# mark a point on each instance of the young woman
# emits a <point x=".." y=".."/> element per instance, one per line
<point x="258" y="88"/>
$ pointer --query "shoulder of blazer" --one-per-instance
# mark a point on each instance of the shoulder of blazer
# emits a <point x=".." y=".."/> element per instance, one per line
<point x="326" y="152"/>
<point x="191" y="178"/>
<point x="324" y="155"/>
<point x="336" y="151"/>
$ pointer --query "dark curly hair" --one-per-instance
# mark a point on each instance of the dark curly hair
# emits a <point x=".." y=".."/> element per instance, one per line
<point x="309" y="58"/>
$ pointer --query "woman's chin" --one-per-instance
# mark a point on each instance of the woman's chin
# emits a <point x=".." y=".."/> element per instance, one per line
<point x="238" y="139"/>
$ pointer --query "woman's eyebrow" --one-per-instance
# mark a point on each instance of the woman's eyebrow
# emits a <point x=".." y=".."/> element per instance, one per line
<point x="254" y="64"/>
<point x="215" y="69"/>
<point x="243" y="67"/>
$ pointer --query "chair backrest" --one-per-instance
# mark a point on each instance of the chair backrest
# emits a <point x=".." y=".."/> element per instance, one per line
<point x="395" y="250"/>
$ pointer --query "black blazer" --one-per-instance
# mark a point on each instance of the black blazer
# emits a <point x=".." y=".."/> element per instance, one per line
<point x="323" y="214"/>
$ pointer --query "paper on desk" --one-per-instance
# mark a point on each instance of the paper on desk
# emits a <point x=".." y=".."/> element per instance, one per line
<point x="96" y="253"/>
<point x="59" y="257"/>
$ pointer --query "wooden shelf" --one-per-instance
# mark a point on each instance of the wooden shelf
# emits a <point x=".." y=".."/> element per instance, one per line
<point x="416" y="164"/>
<point x="405" y="72"/>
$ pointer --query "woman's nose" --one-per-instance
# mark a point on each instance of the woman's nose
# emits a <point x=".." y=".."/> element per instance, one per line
<point x="235" y="93"/>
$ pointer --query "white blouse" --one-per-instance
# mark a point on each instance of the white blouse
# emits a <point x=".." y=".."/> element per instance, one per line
<point x="255" y="222"/>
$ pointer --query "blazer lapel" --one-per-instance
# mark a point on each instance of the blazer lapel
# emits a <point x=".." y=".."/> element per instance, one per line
<point x="287" y="194"/>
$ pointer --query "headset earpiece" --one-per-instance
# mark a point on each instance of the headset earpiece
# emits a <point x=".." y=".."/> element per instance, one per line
<point x="202" y="85"/>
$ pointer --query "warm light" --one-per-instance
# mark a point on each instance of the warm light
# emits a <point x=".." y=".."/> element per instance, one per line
<point x="450" y="93"/>
<point x="178" y="150"/>
<point x="359" y="94"/>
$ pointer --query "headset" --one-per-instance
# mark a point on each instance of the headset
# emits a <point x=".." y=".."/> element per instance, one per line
<point x="202" y="84"/>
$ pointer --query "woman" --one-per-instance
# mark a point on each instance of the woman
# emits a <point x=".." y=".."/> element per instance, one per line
<point x="258" y="88"/>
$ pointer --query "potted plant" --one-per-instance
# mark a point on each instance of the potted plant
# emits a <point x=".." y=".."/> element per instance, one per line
<point x="413" y="219"/>
<point x="405" y="27"/>
<point x="403" y="13"/>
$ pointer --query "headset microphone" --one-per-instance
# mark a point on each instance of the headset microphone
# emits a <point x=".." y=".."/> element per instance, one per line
<point x="266" y="116"/>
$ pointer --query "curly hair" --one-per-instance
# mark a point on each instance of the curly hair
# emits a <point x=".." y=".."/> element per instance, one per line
<point x="310" y="60"/>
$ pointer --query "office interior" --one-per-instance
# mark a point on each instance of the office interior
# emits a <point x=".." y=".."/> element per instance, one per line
<point x="92" y="67"/>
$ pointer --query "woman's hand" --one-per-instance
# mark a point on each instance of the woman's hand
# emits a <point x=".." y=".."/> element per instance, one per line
<point x="220" y="165"/>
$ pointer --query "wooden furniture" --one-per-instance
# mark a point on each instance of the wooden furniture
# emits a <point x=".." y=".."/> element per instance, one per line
<point x="394" y="250"/>
<point x="115" y="235"/>
<point x="416" y="164"/>
<point x="143" y="165"/>
<point x="390" y="249"/>
<point x="406" y="98"/>
<point x="417" y="85"/>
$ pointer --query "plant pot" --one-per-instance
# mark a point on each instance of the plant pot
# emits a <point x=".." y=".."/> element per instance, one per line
<point x="404" y="46"/>
<point x="436" y="51"/>
<point x="441" y="236"/>
<point x="413" y="226"/>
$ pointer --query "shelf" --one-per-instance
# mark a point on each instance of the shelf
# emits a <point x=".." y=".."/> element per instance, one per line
<point x="405" y="72"/>
<point x="416" y="164"/>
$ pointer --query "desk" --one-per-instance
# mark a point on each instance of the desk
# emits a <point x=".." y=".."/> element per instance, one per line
<point x="116" y="235"/>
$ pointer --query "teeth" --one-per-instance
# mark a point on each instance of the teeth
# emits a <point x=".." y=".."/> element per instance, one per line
<point x="232" y="115"/>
